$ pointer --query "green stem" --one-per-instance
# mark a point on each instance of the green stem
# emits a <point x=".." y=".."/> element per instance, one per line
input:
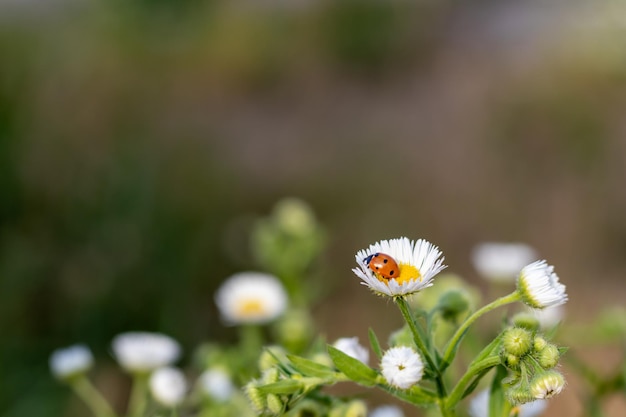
<point x="92" y="397"/>
<point x="139" y="395"/>
<point x="457" y="392"/>
<point x="403" y="305"/>
<point x="452" y="345"/>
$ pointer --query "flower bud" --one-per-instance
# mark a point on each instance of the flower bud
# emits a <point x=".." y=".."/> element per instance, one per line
<point x="519" y="394"/>
<point x="453" y="303"/>
<point x="401" y="337"/>
<point x="269" y="357"/>
<point x="511" y="361"/>
<point x="294" y="329"/>
<point x="356" y="408"/>
<point x="547" y="384"/>
<point x="539" y="343"/>
<point x="257" y="399"/>
<point x="517" y="341"/>
<point x="548" y="357"/>
<point x="526" y="321"/>
<point x="294" y="216"/>
<point x="270" y="376"/>
<point x="274" y="404"/>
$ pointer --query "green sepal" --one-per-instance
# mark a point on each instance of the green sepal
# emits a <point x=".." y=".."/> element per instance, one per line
<point x="310" y="368"/>
<point x="285" y="386"/>
<point x="374" y="343"/>
<point x="353" y="368"/>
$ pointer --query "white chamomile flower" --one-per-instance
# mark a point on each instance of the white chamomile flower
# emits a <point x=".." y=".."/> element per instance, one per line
<point x="168" y="386"/>
<point x="71" y="361"/>
<point x="351" y="347"/>
<point x="418" y="262"/>
<point x="387" y="411"/>
<point x="251" y="298"/>
<point x="479" y="406"/>
<point x="500" y="262"/>
<point x="144" y="352"/>
<point x="217" y="384"/>
<point x="539" y="286"/>
<point x="402" y="367"/>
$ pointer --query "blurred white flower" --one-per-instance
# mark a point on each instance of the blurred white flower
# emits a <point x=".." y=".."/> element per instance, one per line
<point x="387" y="411"/>
<point x="252" y="298"/>
<point x="351" y="347"/>
<point x="144" y="352"/>
<point x="419" y="261"/>
<point x="550" y="316"/>
<point x="168" y="386"/>
<point x="217" y="384"/>
<point x="539" y="286"/>
<point x="402" y="367"/>
<point x="71" y="361"/>
<point x="502" y="261"/>
<point x="479" y="406"/>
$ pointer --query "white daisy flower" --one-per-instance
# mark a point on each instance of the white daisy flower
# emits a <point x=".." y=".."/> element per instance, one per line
<point x="547" y="385"/>
<point x="144" y="352"/>
<point x="479" y="406"/>
<point x="71" y="361"/>
<point x="251" y="298"/>
<point x="539" y="286"/>
<point x="168" y="386"/>
<point x="217" y="384"/>
<point x="402" y="367"/>
<point x="501" y="262"/>
<point x="418" y="261"/>
<point x="387" y="411"/>
<point x="351" y="347"/>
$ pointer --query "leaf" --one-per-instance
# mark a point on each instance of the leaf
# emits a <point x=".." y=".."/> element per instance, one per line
<point x="310" y="368"/>
<point x="353" y="368"/>
<point x="374" y="343"/>
<point x="413" y="396"/>
<point x="285" y="386"/>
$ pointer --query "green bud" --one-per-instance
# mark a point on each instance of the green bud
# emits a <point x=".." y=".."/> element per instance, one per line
<point x="511" y="361"/>
<point x="526" y="321"/>
<point x="269" y="355"/>
<point x="356" y="408"/>
<point x="539" y="343"/>
<point x="548" y="357"/>
<point x="547" y="384"/>
<point x="257" y="399"/>
<point x="294" y="330"/>
<point x="519" y="394"/>
<point x="517" y="341"/>
<point x="270" y="376"/>
<point x="294" y="216"/>
<point x="453" y="303"/>
<point x="274" y="404"/>
<point x="401" y="337"/>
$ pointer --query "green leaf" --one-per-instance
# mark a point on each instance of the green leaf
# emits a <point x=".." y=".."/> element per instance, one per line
<point x="310" y="368"/>
<point x="498" y="405"/>
<point x="374" y="343"/>
<point x="353" y="368"/>
<point x="285" y="386"/>
<point x="415" y="396"/>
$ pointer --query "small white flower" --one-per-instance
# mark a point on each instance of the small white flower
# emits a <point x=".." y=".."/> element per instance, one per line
<point x="479" y="406"/>
<point x="501" y="262"/>
<point x="547" y="385"/>
<point x="351" y="347"/>
<point x="402" y="367"/>
<point x="143" y="352"/>
<point x="539" y="286"/>
<point x="168" y="386"/>
<point x="419" y="261"/>
<point x="251" y="297"/>
<point x="387" y="411"/>
<point x="550" y="316"/>
<point x="68" y="362"/>
<point x="217" y="384"/>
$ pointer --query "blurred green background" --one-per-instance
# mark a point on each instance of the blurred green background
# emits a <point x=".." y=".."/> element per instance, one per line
<point x="139" y="140"/>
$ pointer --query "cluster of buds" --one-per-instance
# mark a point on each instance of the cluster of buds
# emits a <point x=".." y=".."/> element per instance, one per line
<point x="532" y="359"/>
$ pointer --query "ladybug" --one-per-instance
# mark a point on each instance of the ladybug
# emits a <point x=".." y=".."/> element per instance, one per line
<point x="383" y="264"/>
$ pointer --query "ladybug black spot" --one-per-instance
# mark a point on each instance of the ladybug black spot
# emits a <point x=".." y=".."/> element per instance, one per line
<point x="385" y="261"/>
<point x="391" y="273"/>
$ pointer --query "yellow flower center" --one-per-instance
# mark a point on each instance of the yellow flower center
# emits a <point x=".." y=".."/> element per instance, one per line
<point x="250" y="308"/>
<point x="408" y="273"/>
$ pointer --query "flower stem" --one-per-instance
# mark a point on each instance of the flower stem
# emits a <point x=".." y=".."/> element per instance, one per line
<point x="139" y="395"/>
<point x="453" y="344"/>
<point x="457" y="392"/>
<point x="92" y="397"/>
<point x="403" y="305"/>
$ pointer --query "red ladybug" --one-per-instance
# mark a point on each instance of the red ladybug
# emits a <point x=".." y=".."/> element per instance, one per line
<point x="383" y="264"/>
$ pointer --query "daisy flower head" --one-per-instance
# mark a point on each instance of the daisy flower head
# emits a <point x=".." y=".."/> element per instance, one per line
<point x="500" y="262"/>
<point x="351" y="347"/>
<point x="402" y="367"/>
<point x="71" y="361"/>
<point x="251" y="298"/>
<point x="418" y="263"/>
<point x="145" y="352"/>
<point x="547" y="385"/>
<point x="168" y="386"/>
<point x="539" y="286"/>
<point x="217" y="384"/>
